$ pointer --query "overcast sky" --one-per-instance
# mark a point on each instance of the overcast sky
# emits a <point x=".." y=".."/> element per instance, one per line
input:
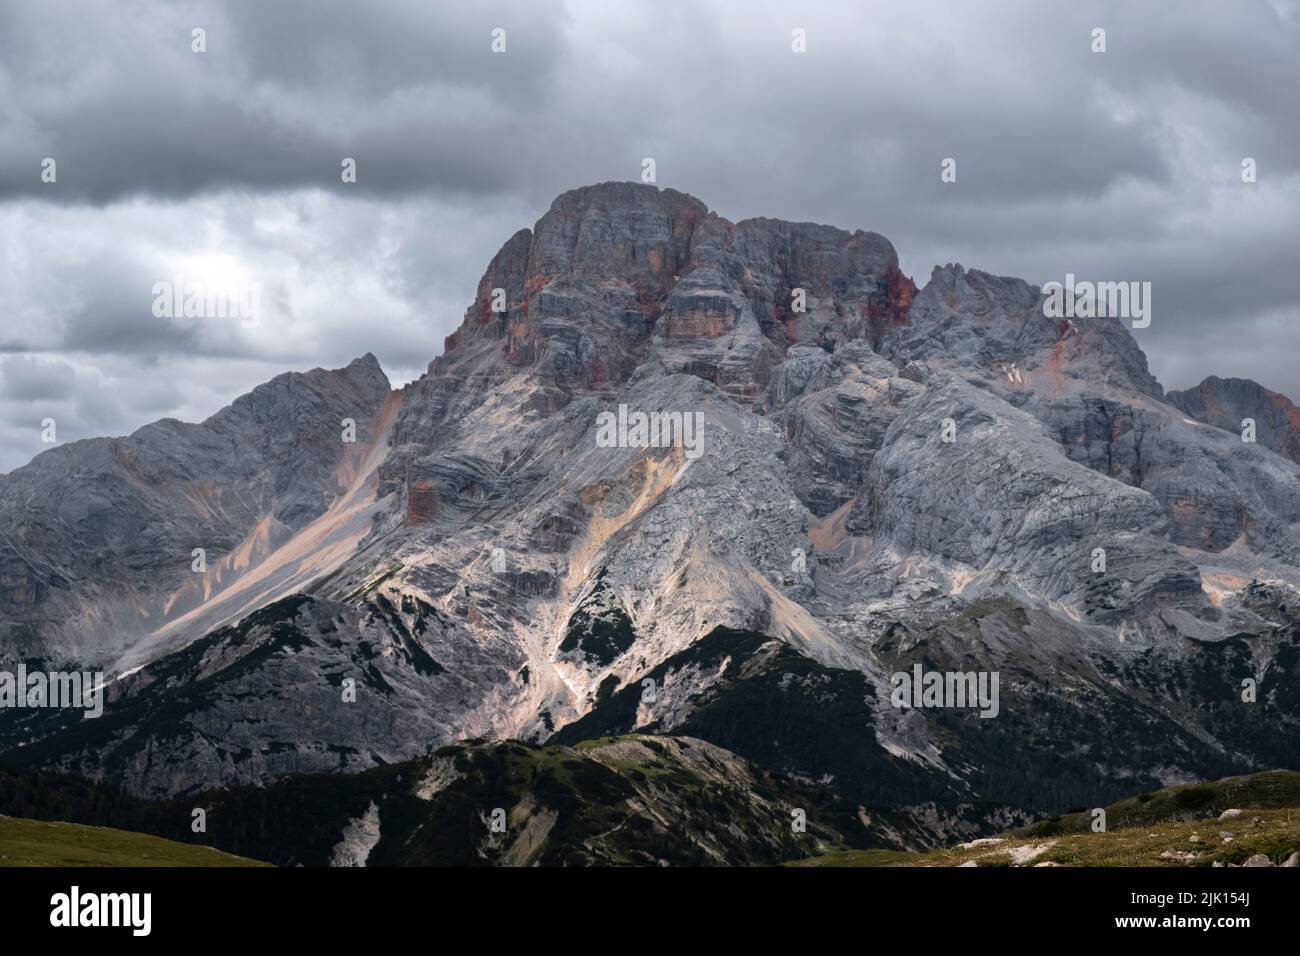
<point x="224" y="166"/>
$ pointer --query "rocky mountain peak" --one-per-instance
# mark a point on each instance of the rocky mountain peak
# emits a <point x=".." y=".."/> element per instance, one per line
<point x="882" y="474"/>
<point x="618" y="275"/>
<point x="100" y="535"/>
<point x="1228" y="403"/>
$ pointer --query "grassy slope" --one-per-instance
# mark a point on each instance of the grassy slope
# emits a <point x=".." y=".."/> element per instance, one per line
<point x="1270" y="790"/>
<point x="40" y="843"/>
<point x="1140" y="830"/>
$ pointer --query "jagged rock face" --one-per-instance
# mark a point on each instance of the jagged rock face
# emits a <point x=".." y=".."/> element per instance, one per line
<point x="580" y="294"/>
<point x="96" y="537"/>
<point x="984" y="324"/>
<point x="1227" y="402"/>
<point x="1000" y="505"/>
<point x="871" y="475"/>
<point x="1213" y="488"/>
<point x="618" y="273"/>
<point x="837" y="409"/>
<point x="1088" y="382"/>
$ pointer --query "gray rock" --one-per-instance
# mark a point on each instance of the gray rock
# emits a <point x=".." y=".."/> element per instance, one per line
<point x="98" y="534"/>
<point x="824" y="510"/>
<point x="1226" y="402"/>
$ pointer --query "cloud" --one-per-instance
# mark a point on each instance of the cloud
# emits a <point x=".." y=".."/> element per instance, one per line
<point x="25" y="378"/>
<point x="284" y="91"/>
<point x="1124" y="164"/>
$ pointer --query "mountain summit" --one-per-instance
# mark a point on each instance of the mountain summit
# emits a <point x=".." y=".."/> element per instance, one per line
<point x="889" y="477"/>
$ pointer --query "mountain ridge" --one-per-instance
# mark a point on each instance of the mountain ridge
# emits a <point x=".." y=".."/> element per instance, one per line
<point x="483" y="526"/>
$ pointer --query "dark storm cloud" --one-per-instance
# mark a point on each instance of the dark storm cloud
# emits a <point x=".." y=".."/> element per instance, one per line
<point x="412" y="92"/>
<point x="284" y="91"/>
<point x="1117" y="165"/>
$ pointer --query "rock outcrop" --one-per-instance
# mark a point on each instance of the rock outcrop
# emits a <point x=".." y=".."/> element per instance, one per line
<point x="97" y="537"/>
<point x="1228" y="402"/>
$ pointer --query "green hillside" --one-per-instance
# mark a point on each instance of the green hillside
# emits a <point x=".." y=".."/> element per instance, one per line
<point x="43" y="843"/>
<point x="1176" y="826"/>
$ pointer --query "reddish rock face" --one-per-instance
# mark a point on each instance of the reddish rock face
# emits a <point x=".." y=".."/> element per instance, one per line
<point x="422" y="501"/>
<point x="901" y="292"/>
<point x="709" y="320"/>
<point x="1225" y="402"/>
<point x="613" y="269"/>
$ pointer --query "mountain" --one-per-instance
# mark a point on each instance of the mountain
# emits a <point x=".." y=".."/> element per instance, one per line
<point x="1227" y="402"/>
<point x="639" y="800"/>
<point x="887" y="476"/>
<point x="97" y="536"/>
